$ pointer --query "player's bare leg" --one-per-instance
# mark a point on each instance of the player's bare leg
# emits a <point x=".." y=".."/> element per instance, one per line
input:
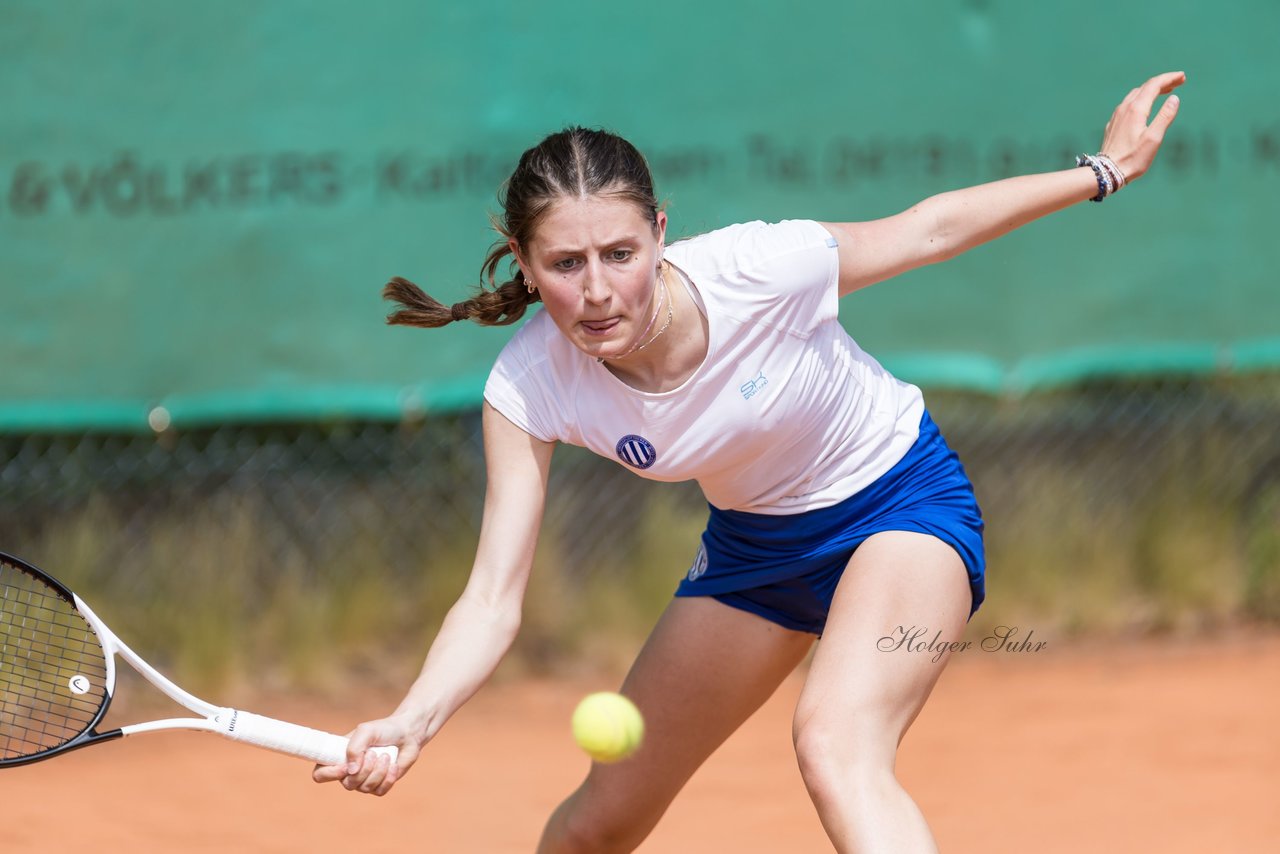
<point x="704" y="670"/>
<point x="859" y="699"/>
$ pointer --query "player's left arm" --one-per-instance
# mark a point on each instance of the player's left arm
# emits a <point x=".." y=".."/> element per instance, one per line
<point x="944" y="226"/>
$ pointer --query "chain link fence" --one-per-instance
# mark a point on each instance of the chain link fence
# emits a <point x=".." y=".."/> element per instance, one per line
<point x="1114" y="505"/>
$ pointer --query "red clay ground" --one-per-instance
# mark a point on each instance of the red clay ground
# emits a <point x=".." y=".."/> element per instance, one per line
<point x="1129" y="747"/>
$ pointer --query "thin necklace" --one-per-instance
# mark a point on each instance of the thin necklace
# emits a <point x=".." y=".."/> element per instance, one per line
<point x="665" y="297"/>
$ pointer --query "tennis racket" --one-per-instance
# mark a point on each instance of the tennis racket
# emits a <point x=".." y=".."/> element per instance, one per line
<point x="58" y="672"/>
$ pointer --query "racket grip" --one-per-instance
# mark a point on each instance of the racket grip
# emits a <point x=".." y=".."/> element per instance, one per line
<point x="291" y="739"/>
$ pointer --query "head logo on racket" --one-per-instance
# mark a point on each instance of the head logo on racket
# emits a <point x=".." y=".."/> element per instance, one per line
<point x="636" y="451"/>
<point x="79" y="684"/>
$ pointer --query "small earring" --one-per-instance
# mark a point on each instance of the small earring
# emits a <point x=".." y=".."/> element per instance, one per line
<point x="528" y="283"/>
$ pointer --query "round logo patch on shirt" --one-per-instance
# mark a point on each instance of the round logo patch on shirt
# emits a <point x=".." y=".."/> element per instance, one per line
<point x="636" y="451"/>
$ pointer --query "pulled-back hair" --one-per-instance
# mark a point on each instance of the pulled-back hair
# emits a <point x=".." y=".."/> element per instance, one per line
<point x="574" y="163"/>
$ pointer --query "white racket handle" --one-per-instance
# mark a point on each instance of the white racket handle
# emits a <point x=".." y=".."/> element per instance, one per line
<point x="303" y="742"/>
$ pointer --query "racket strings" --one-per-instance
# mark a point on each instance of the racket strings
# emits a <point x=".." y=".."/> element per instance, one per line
<point x="52" y="667"/>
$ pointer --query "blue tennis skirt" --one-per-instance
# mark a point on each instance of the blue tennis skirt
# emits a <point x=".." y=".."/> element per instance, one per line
<point x="786" y="568"/>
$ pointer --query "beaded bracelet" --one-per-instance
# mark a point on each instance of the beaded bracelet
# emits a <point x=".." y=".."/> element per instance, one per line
<point x="1117" y="176"/>
<point x="1092" y="163"/>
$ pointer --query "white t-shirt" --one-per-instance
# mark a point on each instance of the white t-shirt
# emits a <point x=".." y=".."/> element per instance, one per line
<point x="786" y="414"/>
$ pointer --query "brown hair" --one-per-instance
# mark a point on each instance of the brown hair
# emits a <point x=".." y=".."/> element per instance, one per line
<point x="574" y="162"/>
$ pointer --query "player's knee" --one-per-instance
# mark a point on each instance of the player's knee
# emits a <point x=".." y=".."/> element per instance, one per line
<point x="588" y="826"/>
<point x="837" y="759"/>
<point x="594" y="835"/>
<point x="817" y="753"/>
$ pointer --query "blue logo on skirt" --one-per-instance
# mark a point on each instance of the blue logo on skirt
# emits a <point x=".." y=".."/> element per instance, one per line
<point x="636" y="451"/>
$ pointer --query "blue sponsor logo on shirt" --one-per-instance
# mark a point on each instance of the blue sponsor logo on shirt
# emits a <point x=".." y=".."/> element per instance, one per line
<point x="636" y="451"/>
<point x="753" y="387"/>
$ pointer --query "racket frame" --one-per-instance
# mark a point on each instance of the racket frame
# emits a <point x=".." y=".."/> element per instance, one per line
<point x="280" y="736"/>
<point x="113" y="646"/>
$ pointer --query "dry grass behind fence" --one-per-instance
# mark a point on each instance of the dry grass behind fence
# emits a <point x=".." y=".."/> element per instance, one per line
<point x="310" y="556"/>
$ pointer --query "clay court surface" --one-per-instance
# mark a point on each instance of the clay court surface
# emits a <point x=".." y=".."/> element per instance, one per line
<point x="1123" y="746"/>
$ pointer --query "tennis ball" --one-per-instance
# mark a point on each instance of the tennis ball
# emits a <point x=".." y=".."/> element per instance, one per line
<point x="607" y="726"/>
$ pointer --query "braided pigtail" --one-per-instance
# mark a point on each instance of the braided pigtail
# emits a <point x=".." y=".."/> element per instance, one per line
<point x="416" y="307"/>
<point x="497" y="305"/>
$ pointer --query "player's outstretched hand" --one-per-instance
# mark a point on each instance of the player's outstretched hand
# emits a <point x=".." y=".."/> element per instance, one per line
<point x="1128" y="139"/>
<point x="369" y="772"/>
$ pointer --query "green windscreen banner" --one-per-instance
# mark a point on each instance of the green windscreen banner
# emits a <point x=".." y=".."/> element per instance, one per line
<point x="199" y="203"/>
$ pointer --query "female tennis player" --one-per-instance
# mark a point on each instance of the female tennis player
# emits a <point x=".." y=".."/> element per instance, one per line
<point x="837" y="509"/>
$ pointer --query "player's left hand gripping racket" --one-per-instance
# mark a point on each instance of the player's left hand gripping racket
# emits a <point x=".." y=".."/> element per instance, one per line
<point x="58" y="672"/>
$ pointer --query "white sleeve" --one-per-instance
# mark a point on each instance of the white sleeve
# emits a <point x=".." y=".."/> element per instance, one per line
<point x="785" y="274"/>
<point x="515" y="389"/>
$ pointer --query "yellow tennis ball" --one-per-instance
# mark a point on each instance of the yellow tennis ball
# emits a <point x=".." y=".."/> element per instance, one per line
<point x="607" y="726"/>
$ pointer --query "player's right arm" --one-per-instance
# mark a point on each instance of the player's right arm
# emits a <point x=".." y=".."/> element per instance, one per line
<point x="480" y="627"/>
